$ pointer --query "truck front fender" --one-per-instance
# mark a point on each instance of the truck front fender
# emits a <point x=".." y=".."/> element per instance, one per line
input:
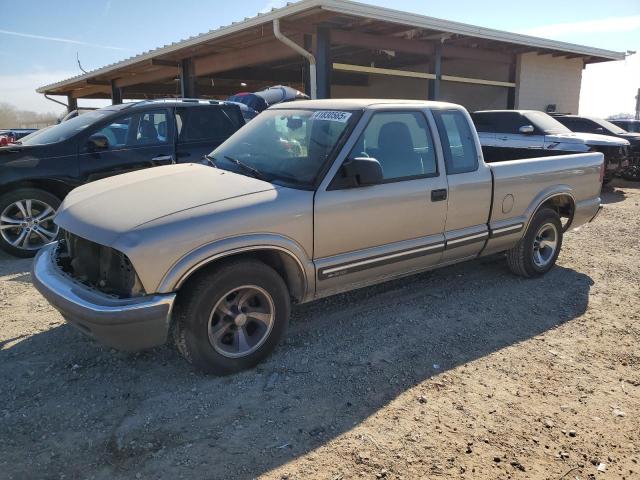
<point x="208" y="254"/>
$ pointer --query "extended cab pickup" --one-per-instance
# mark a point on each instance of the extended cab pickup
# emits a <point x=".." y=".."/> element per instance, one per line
<point x="307" y="200"/>
<point x="515" y="134"/>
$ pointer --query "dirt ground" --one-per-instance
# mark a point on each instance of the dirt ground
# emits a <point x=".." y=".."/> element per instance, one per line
<point x="466" y="372"/>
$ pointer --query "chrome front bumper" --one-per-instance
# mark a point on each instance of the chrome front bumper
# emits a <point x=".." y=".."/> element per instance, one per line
<point x="126" y="324"/>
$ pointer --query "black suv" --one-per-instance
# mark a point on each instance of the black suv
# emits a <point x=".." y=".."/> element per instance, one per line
<point x="38" y="172"/>
<point x="578" y="123"/>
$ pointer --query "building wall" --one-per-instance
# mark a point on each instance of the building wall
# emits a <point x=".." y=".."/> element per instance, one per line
<point x="543" y="80"/>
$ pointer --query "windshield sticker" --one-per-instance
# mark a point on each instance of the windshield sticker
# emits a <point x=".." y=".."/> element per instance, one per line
<point x="331" y="116"/>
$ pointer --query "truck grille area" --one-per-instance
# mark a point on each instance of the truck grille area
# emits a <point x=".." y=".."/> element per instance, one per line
<point x="101" y="268"/>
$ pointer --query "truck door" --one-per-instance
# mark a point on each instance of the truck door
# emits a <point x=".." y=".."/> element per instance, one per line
<point x="470" y="186"/>
<point x="365" y="233"/>
<point x="133" y="141"/>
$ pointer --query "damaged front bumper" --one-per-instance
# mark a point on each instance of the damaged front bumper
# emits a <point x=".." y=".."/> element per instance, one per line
<point x="128" y="324"/>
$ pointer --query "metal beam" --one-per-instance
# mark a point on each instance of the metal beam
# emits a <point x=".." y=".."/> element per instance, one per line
<point x="116" y="94"/>
<point x="343" y="67"/>
<point x="94" y="81"/>
<point x="188" y="79"/>
<point x="269" y="51"/>
<point x="478" y="81"/>
<point x="72" y="103"/>
<point x="164" y="63"/>
<point x="511" y="93"/>
<point x="163" y="73"/>
<point x="434" y="85"/>
<point x="323" y="58"/>
<point x="417" y="47"/>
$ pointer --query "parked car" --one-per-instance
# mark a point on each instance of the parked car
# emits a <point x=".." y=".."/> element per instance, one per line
<point x="376" y="189"/>
<point x="575" y="123"/>
<point x="632" y="126"/>
<point x="39" y="171"/>
<point x="514" y="134"/>
<point x="17" y="133"/>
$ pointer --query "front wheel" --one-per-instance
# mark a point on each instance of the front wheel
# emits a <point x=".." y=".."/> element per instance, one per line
<point x="538" y="250"/>
<point x="230" y="318"/>
<point x="26" y="221"/>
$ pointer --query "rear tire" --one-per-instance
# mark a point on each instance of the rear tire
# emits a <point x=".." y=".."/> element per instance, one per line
<point x="538" y="250"/>
<point x="230" y="318"/>
<point x="26" y="221"/>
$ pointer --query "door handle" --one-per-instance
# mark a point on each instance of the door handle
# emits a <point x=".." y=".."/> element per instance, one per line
<point x="163" y="158"/>
<point x="439" y="195"/>
<point x="503" y="138"/>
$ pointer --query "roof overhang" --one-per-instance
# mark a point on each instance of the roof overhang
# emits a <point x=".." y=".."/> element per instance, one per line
<point x="164" y="61"/>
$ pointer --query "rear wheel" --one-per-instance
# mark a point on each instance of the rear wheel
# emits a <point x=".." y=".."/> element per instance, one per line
<point x="538" y="250"/>
<point x="230" y="318"/>
<point x="26" y="221"/>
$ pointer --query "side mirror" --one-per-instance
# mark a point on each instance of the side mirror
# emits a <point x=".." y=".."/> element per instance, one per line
<point x="526" y="129"/>
<point x="363" y="171"/>
<point x="97" y="142"/>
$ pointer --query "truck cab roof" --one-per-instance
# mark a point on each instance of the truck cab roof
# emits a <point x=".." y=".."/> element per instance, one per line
<point x="361" y="104"/>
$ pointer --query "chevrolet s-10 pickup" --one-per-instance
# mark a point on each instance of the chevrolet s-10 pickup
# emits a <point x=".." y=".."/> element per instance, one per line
<point x="309" y="199"/>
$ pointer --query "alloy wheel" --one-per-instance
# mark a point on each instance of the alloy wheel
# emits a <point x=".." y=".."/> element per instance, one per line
<point x="241" y="321"/>
<point x="545" y="245"/>
<point x="28" y="224"/>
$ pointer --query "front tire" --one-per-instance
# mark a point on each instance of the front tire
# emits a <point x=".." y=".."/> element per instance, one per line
<point x="26" y="221"/>
<point x="230" y="318"/>
<point x="538" y="250"/>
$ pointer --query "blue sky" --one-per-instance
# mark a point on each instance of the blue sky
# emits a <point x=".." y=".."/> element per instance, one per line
<point x="40" y="46"/>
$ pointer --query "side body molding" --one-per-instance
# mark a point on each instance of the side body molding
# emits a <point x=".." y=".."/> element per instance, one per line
<point x="206" y="254"/>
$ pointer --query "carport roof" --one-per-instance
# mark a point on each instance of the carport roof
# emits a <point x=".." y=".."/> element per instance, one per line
<point x="340" y="8"/>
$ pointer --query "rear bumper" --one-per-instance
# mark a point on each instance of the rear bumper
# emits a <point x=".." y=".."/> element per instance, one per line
<point x="126" y="324"/>
<point x="586" y="211"/>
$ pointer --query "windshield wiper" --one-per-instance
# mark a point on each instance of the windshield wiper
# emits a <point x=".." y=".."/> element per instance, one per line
<point x="210" y="159"/>
<point x="247" y="168"/>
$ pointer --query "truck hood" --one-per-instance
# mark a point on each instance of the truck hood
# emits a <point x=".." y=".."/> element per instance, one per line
<point x="102" y="211"/>
<point x="586" y="139"/>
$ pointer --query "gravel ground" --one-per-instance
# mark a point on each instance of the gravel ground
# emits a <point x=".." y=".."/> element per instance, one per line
<point x="466" y="372"/>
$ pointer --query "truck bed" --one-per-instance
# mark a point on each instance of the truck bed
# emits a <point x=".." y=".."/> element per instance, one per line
<point x="520" y="186"/>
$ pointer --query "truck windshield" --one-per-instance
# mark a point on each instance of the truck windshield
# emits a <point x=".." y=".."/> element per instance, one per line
<point x="65" y="130"/>
<point x="288" y="147"/>
<point x="546" y="123"/>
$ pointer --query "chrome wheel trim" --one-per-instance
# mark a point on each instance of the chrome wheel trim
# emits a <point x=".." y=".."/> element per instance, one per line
<point x="27" y="224"/>
<point x="545" y="245"/>
<point x="241" y="321"/>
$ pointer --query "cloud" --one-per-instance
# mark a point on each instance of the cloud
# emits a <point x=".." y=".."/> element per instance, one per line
<point x="611" y="24"/>
<point x="58" y="39"/>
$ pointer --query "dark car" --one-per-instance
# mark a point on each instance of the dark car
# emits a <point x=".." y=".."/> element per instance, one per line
<point x="631" y="126"/>
<point x="39" y="171"/>
<point x="578" y="123"/>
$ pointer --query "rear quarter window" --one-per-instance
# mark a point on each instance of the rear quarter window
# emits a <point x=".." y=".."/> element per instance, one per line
<point x="457" y="141"/>
<point x="204" y="123"/>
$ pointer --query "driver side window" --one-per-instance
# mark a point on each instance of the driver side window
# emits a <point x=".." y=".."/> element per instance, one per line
<point x="402" y="144"/>
<point x="116" y="132"/>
